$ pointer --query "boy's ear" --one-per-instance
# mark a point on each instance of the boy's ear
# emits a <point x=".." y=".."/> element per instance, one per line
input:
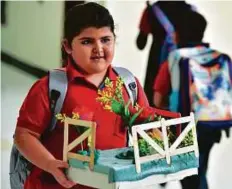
<point x="67" y="46"/>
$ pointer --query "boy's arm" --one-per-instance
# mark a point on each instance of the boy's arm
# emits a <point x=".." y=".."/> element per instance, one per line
<point x="144" y="30"/>
<point x="158" y="100"/>
<point x="34" y="117"/>
<point x="162" y="87"/>
<point x="32" y="149"/>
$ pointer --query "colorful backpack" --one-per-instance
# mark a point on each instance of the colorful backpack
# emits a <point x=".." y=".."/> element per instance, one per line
<point x="201" y="80"/>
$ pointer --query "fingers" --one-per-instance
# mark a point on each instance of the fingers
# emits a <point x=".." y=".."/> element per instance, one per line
<point x="62" y="180"/>
<point x="62" y="164"/>
<point x="54" y="164"/>
<point x="56" y="167"/>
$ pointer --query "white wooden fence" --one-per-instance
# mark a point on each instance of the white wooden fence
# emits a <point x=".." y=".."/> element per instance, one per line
<point x="168" y="151"/>
<point x="90" y="132"/>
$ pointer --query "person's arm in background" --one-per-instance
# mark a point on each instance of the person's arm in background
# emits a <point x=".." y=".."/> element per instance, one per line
<point x="162" y="87"/>
<point x="158" y="100"/>
<point x="141" y="40"/>
<point x="33" y="119"/>
<point x="144" y="30"/>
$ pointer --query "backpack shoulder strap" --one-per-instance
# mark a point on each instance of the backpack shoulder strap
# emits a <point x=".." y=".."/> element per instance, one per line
<point x="163" y="19"/>
<point x="129" y="82"/>
<point x="170" y="43"/>
<point x="58" y="85"/>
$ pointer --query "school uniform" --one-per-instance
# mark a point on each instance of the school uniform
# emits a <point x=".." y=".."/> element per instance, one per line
<point x="35" y="115"/>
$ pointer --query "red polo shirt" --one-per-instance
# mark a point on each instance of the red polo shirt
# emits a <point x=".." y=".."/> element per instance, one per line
<point x="80" y="98"/>
<point x="162" y="83"/>
<point x="144" y="24"/>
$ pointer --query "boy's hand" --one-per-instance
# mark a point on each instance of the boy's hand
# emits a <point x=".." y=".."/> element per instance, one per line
<point x="55" y="167"/>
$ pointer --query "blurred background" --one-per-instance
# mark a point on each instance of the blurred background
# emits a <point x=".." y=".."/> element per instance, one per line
<point x="31" y="34"/>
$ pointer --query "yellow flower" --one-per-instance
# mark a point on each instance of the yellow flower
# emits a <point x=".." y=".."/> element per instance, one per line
<point x="112" y="91"/>
<point x="60" y="117"/>
<point x="103" y="99"/>
<point x="119" y="83"/>
<point x="108" y="83"/>
<point x="137" y="107"/>
<point x="108" y="107"/>
<point x="75" y="115"/>
<point x="99" y="92"/>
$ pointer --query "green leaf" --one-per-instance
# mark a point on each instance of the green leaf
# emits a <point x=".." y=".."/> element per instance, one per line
<point x="133" y="118"/>
<point x="157" y="118"/>
<point x="107" y="81"/>
<point x="143" y="147"/>
<point x="149" y="119"/>
<point x="126" y="110"/>
<point x="117" y="107"/>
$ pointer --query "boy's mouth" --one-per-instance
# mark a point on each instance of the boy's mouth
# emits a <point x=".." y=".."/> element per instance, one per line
<point x="97" y="57"/>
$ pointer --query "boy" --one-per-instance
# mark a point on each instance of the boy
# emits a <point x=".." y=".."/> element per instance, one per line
<point x="88" y="49"/>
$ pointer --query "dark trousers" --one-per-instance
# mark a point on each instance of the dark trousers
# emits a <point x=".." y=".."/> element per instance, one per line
<point x="207" y="137"/>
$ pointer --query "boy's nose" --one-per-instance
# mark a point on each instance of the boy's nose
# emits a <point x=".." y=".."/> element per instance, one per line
<point x="97" y="48"/>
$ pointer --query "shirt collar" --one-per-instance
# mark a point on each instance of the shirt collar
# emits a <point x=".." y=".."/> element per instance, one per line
<point x="111" y="74"/>
<point x="75" y="72"/>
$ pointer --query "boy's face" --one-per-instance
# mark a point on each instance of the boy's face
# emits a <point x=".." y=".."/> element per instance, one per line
<point x="93" y="49"/>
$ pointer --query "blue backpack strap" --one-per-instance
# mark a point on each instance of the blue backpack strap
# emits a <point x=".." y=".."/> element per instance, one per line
<point x="58" y="85"/>
<point x="129" y="82"/>
<point x="170" y="41"/>
<point x="163" y="19"/>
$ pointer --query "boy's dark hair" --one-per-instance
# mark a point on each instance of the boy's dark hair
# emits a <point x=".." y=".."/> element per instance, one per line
<point x="193" y="28"/>
<point x="83" y="16"/>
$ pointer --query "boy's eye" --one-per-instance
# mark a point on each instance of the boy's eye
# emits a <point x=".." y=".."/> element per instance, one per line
<point x="105" y="40"/>
<point x="86" y="42"/>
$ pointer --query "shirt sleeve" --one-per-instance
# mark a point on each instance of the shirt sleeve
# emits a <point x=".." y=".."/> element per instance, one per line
<point x="35" y="111"/>
<point x="144" y="25"/>
<point x="141" y="98"/>
<point x="162" y="83"/>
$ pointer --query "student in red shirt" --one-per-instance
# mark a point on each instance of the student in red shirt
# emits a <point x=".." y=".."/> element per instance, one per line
<point x="195" y="25"/>
<point x="161" y="91"/>
<point x="88" y="45"/>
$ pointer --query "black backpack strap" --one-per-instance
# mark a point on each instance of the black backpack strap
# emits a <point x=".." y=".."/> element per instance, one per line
<point x="58" y="85"/>
<point x="129" y="82"/>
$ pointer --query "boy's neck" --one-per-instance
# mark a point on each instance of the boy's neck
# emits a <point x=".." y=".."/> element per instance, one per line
<point x="97" y="78"/>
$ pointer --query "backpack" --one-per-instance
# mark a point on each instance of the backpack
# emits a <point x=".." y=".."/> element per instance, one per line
<point x="19" y="166"/>
<point x="201" y="80"/>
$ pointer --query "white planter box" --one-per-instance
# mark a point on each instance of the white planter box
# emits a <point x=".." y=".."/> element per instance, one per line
<point x="99" y="180"/>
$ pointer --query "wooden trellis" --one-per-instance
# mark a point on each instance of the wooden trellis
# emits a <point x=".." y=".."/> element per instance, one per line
<point x="168" y="151"/>
<point x="90" y="132"/>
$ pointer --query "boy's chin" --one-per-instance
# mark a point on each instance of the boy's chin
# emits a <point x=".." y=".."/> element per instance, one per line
<point x="100" y="69"/>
